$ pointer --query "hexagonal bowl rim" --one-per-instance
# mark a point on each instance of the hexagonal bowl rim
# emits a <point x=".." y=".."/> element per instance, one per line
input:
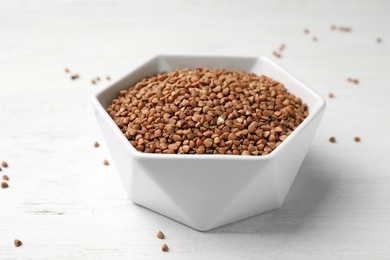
<point x="100" y="109"/>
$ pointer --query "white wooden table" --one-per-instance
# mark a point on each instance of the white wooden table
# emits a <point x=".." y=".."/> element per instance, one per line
<point x="62" y="203"/>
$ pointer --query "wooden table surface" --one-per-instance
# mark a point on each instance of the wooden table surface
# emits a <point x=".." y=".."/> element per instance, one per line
<point x="63" y="203"/>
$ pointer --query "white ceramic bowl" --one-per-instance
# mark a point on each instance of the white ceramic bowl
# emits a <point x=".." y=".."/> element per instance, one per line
<point x="208" y="191"/>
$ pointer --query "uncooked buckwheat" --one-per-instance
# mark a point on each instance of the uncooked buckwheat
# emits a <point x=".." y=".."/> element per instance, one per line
<point x="207" y="111"/>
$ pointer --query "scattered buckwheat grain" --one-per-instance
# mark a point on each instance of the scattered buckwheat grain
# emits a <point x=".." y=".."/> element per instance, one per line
<point x="75" y="76"/>
<point x="354" y="81"/>
<point x="96" y="144"/>
<point x="67" y="70"/>
<point x="306" y="31"/>
<point x="17" y="243"/>
<point x="5" y="177"/>
<point x="357" y="139"/>
<point x="341" y="28"/>
<point x="330" y="95"/>
<point x="4" y="164"/>
<point x="108" y="78"/>
<point x="4" y="185"/>
<point x="106" y="162"/>
<point x="276" y="54"/>
<point x="160" y="235"/>
<point x="345" y="29"/>
<point x="332" y="139"/>
<point x="164" y="248"/>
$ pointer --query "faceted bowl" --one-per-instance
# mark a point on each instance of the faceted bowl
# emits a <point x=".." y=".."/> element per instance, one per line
<point x="208" y="191"/>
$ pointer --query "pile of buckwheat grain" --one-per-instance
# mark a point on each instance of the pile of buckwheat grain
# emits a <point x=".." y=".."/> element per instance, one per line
<point x="207" y="111"/>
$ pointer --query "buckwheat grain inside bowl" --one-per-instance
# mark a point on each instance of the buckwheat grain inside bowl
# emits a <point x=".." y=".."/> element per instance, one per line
<point x="207" y="111"/>
<point x="173" y="135"/>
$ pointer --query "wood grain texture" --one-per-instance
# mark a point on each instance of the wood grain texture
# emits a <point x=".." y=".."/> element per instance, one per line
<point x="63" y="203"/>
